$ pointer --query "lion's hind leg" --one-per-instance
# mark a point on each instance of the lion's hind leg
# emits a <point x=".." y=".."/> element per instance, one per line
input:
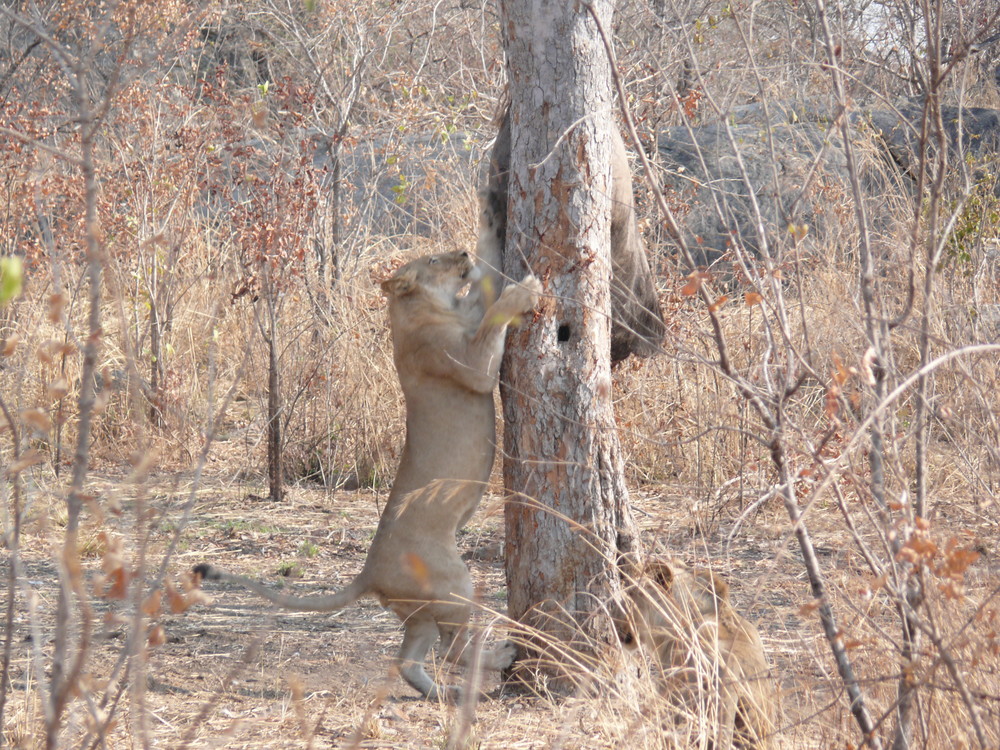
<point x="418" y="637"/>
<point x="453" y="613"/>
<point x="456" y="648"/>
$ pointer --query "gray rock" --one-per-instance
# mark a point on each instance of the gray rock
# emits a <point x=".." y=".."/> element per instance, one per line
<point x="402" y="186"/>
<point x="972" y="133"/>
<point x="790" y="161"/>
<point x="788" y="158"/>
<point x="744" y="184"/>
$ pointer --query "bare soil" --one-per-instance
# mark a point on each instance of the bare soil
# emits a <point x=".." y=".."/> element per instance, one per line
<point x="237" y="673"/>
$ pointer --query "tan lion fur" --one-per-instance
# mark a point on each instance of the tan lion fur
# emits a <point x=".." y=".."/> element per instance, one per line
<point x="685" y="618"/>
<point x="447" y="350"/>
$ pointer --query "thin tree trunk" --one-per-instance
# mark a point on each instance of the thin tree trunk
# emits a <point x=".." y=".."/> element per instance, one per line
<point x="65" y="674"/>
<point x="911" y="597"/>
<point x="336" y="189"/>
<point x="274" y="468"/>
<point x="155" y="357"/>
<point x="13" y="552"/>
<point x="569" y="516"/>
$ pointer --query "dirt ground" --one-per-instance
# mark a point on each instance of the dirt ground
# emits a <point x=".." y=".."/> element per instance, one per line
<point x="236" y="673"/>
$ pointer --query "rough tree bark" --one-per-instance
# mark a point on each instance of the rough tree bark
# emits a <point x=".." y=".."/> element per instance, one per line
<point x="569" y="518"/>
<point x="275" y="470"/>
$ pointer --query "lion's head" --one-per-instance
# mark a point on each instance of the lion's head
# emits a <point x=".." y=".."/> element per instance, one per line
<point x="669" y="602"/>
<point x="448" y="280"/>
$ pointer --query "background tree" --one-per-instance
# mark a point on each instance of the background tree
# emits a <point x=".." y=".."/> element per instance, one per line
<point x="569" y="518"/>
<point x="829" y="175"/>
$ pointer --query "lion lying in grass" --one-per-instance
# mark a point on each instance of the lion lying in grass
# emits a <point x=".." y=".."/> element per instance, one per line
<point x="685" y="618"/>
<point x="447" y="350"/>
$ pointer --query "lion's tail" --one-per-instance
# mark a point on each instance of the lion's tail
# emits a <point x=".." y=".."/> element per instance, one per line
<point x="329" y="603"/>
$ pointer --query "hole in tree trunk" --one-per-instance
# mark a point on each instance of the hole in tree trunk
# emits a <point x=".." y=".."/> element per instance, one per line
<point x="563" y="333"/>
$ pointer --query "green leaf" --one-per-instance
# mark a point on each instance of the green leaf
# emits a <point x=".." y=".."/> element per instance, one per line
<point x="11" y="278"/>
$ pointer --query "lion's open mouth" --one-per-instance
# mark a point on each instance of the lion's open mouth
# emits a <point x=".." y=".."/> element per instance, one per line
<point x="471" y="275"/>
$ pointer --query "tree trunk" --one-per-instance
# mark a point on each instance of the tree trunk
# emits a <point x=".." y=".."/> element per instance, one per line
<point x="156" y="384"/>
<point x="275" y="473"/>
<point x="569" y="518"/>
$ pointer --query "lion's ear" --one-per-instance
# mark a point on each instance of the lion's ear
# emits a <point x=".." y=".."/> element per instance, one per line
<point x="402" y="283"/>
<point x="661" y="573"/>
<point x="714" y="587"/>
<point x="720" y="587"/>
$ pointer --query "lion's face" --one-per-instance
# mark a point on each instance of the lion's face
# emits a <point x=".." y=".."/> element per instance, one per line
<point x="449" y="279"/>
<point x="685" y="617"/>
<point x="669" y="602"/>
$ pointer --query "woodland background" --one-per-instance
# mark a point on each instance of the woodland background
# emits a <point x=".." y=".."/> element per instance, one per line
<point x="198" y="201"/>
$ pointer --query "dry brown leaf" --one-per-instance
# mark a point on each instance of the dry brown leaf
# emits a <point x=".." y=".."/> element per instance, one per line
<point x="714" y="307"/>
<point x="157" y="636"/>
<point x="58" y="389"/>
<point x="152" y="606"/>
<point x="178" y="602"/>
<point x="10" y="344"/>
<point x="47" y="350"/>
<point x="36" y="419"/>
<point x="832" y="403"/>
<point x="29" y="458"/>
<point x="117" y="584"/>
<point x="57" y="302"/>
<point x="840" y="373"/>
<point x="809" y="607"/>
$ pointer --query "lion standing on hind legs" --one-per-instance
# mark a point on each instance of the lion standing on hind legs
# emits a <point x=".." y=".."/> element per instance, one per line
<point x="447" y="347"/>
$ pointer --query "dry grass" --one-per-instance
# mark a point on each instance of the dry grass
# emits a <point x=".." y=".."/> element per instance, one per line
<point x="701" y="490"/>
<point x="238" y="674"/>
<point x="286" y="679"/>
